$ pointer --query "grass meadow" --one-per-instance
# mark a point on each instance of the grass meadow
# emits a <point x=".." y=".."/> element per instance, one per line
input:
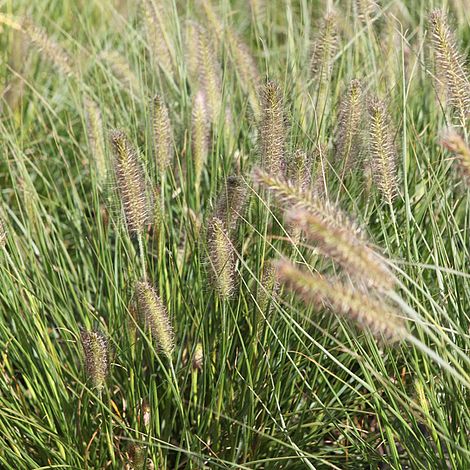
<point x="234" y="234"/>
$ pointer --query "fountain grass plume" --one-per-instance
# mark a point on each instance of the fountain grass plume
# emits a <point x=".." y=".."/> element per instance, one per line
<point x="95" y="352"/>
<point x="130" y="183"/>
<point x="339" y="244"/>
<point x="367" y="311"/>
<point x="383" y="155"/>
<point x="155" y="317"/>
<point x="162" y="135"/>
<point x="273" y="130"/>
<point x="221" y="258"/>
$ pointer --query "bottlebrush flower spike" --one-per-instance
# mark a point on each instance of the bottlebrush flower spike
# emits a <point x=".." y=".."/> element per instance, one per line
<point x="221" y="258"/>
<point x="131" y="183"/>
<point x="382" y="149"/>
<point x="291" y="196"/>
<point x="200" y="129"/>
<point x="324" y="49"/>
<point x="452" y="141"/>
<point x="96" y="139"/>
<point x="368" y="312"/>
<point x="162" y="135"/>
<point x="155" y="317"/>
<point x="339" y="244"/>
<point x="273" y="130"/>
<point x="450" y="65"/>
<point x="231" y="202"/>
<point x="95" y="351"/>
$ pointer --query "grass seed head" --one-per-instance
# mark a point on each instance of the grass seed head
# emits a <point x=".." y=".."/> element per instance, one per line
<point x="454" y="142"/>
<point x="162" y="135"/>
<point x="382" y="149"/>
<point x="95" y="351"/>
<point x="17" y="63"/>
<point x="450" y="65"/>
<point x="155" y="317"/>
<point x="291" y="196"/>
<point x="200" y="129"/>
<point x="205" y="68"/>
<point x="157" y="37"/>
<point x="231" y="202"/>
<point x="49" y="48"/>
<point x="221" y="258"/>
<point x="273" y="130"/>
<point x="342" y="246"/>
<point x="3" y="234"/>
<point x="131" y="183"/>
<point x="198" y="357"/>
<point x="122" y="70"/>
<point x="366" y="9"/>
<point x="324" y="49"/>
<point x="299" y="169"/>
<point x="268" y="288"/>
<point x="96" y="139"/>
<point x="247" y="71"/>
<point x="366" y="311"/>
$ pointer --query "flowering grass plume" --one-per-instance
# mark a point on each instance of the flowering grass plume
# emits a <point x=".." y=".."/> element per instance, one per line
<point x="268" y="288"/>
<point x="121" y="69"/>
<point x="368" y="312"/>
<point x="382" y="149"/>
<point x="200" y="129"/>
<point x="95" y="352"/>
<point x="231" y="202"/>
<point x="273" y="130"/>
<point x="155" y="317"/>
<point x="96" y="139"/>
<point x="204" y="68"/>
<point x="49" y="48"/>
<point x="131" y="183"/>
<point x="366" y="9"/>
<point x="246" y="69"/>
<point x="299" y="169"/>
<point x="324" y="49"/>
<point x="221" y="258"/>
<point x="198" y="357"/>
<point x="162" y="135"/>
<point x="291" y="196"/>
<point x="17" y="63"/>
<point x="3" y="234"/>
<point x="450" y="65"/>
<point x="339" y="244"/>
<point x="157" y="37"/>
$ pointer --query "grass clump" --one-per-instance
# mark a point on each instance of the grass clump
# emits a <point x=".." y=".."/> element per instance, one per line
<point x="266" y="266"/>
